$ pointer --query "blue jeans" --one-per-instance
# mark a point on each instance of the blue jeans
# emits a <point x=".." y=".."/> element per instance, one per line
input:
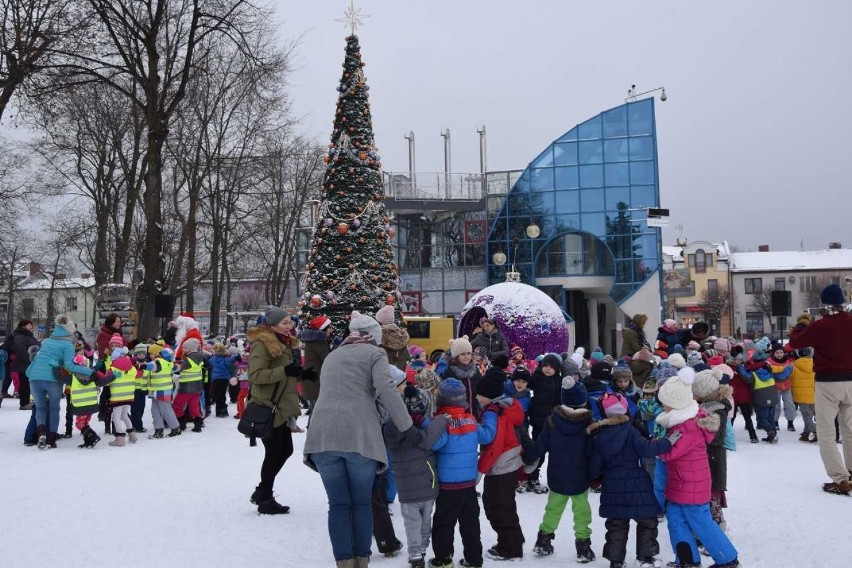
<point x="47" y="395"/>
<point x="348" y="480"/>
<point x="687" y="520"/>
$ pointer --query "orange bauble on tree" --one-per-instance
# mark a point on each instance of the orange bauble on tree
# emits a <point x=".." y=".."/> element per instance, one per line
<point x="343" y="228"/>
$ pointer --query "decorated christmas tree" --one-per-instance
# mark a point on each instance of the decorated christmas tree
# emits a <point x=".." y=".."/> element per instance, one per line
<point x="351" y="265"/>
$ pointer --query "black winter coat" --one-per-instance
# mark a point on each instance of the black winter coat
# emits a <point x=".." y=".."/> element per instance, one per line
<point x="716" y="452"/>
<point x="619" y="453"/>
<point x="414" y="467"/>
<point x="20" y="342"/>
<point x="569" y="447"/>
<point x="494" y="343"/>
<point x="547" y="394"/>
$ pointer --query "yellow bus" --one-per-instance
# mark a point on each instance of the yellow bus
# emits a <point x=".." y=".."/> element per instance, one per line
<point x="433" y="334"/>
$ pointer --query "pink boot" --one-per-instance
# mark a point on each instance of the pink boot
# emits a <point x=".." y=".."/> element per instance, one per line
<point x="119" y="441"/>
<point x="132" y="435"/>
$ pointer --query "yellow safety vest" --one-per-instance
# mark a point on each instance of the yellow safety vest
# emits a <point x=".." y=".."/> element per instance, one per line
<point x="121" y="389"/>
<point x="141" y="378"/>
<point x="192" y="372"/>
<point x="761" y="383"/>
<point x="83" y="395"/>
<point x="162" y="380"/>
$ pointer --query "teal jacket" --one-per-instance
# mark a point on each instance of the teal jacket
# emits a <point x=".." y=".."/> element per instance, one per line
<point x="56" y="351"/>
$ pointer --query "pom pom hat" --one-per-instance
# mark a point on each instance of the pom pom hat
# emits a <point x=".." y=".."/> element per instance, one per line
<point x="613" y="404"/>
<point x="676" y="393"/>
<point x="677" y="361"/>
<point x="427" y="379"/>
<point x="573" y="393"/>
<point x="385" y="315"/>
<point x="460" y="346"/>
<point x="414" y="400"/>
<point x="361" y="323"/>
<point x="451" y="392"/>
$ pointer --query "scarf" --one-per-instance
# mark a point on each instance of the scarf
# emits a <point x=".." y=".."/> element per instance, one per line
<point x="674" y="417"/>
<point x="639" y="331"/>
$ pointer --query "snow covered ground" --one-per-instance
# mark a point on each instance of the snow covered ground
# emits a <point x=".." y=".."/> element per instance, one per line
<point x="184" y="502"/>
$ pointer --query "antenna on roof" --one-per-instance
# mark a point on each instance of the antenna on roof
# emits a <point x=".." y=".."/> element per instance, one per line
<point x="802" y="245"/>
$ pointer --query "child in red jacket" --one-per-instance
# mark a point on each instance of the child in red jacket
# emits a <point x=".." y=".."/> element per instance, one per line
<point x="500" y="461"/>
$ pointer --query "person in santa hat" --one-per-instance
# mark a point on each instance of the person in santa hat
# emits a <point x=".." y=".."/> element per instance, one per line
<point x="187" y="328"/>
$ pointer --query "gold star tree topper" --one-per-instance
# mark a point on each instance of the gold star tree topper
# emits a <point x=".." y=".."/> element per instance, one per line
<point x="353" y="17"/>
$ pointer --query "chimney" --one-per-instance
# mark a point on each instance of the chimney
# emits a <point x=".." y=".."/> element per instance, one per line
<point x="763" y="248"/>
<point x="85" y="275"/>
<point x="35" y="268"/>
<point x="835" y="245"/>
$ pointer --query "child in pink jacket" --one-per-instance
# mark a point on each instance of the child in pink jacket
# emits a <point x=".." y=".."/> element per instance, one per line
<point x="688" y="486"/>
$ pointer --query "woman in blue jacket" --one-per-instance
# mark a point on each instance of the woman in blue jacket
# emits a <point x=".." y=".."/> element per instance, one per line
<point x="46" y="378"/>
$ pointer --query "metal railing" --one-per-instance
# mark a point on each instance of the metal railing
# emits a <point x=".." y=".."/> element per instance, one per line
<point x="428" y="186"/>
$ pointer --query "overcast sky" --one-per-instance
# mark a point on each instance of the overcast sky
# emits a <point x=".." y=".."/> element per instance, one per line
<point x="754" y="141"/>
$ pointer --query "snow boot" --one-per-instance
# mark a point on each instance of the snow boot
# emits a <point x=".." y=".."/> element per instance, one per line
<point x="441" y="563"/>
<point x="790" y="426"/>
<point x="417" y="563"/>
<point x="68" y="432"/>
<point x="158" y="434"/>
<point x="522" y="487"/>
<point x="584" y="551"/>
<point x="119" y="441"/>
<point x="805" y="437"/>
<point x="648" y="562"/>
<point x="272" y="507"/>
<point x="394" y="549"/>
<point x="755" y="440"/>
<point x="495" y="554"/>
<point x="465" y="564"/>
<point x="348" y="563"/>
<point x="535" y="487"/>
<point x="90" y="438"/>
<point x="182" y="422"/>
<point x="51" y="440"/>
<point x="197" y="423"/>
<point x="543" y="545"/>
<point x="41" y="434"/>
<point x="842" y="488"/>
<point x="614" y="564"/>
<point x="771" y="437"/>
<point x="732" y="564"/>
<point x="814" y="438"/>
<point x="174" y="432"/>
<point x="131" y="434"/>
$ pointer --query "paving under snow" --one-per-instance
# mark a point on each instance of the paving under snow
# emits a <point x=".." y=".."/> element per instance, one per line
<point x="184" y="502"/>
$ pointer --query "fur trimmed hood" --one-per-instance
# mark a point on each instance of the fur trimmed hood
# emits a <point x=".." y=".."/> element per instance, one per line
<point x="572" y="414"/>
<point x="269" y="339"/>
<point x="612" y="421"/>
<point x="722" y="393"/>
<point x="709" y="422"/>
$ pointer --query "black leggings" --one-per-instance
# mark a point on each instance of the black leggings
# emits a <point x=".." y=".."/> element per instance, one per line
<point x="746" y="409"/>
<point x="278" y="448"/>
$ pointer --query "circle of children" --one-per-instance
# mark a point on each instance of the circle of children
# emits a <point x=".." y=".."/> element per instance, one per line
<point x="648" y="431"/>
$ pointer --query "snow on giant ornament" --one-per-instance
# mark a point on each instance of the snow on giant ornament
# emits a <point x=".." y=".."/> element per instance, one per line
<point x="524" y="314"/>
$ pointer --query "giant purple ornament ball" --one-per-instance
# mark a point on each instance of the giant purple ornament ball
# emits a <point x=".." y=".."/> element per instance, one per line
<point x="524" y="314"/>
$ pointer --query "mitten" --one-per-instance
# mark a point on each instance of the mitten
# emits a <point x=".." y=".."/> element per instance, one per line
<point x="675" y="436"/>
<point x="293" y="370"/>
<point x="310" y="375"/>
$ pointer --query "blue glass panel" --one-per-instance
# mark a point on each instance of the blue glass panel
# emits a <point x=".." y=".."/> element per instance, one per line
<point x="567" y="202"/>
<point x="649" y="244"/>
<point x="542" y="202"/>
<point x="570" y="135"/>
<point x="620" y="291"/>
<point x="616" y="195"/>
<point x="566" y="154"/>
<point x="650" y="264"/>
<point x="640" y="116"/>
<point x="643" y="196"/>
<point x="615" y="122"/>
<point x="591" y="176"/>
<point x="523" y="183"/>
<point x="591" y="200"/>
<point x="593" y="223"/>
<point x="591" y="129"/>
<point x="567" y="223"/>
<point x="591" y="152"/>
<point x="542" y="179"/>
<point x="567" y="177"/>
<point x="615" y="150"/>
<point x="624" y="271"/>
<point x="519" y="204"/>
<point x="617" y="174"/>
<point x="641" y="173"/>
<point x="642" y="148"/>
<point x="544" y="159"/>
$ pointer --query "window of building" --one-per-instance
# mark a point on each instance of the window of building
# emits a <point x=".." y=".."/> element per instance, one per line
<point x="712" y="285"/>
<point x="71" y="304"/>
<point x="28" y="307"/>
<point x="754" y="323"/>
<point x="807" y="283"/>
<point x="700" y="260"/>
<point x="753" y="285"/>
<point x="780" y="283"/>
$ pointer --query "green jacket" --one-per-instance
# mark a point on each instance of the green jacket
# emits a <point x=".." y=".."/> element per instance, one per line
<point x="267" y="360"/>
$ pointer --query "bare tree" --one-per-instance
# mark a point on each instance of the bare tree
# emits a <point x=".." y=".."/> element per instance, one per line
<point x="716" y="304"/>
<point x="12" y="253"/>
<point x="763" y="302"/>
<point x="814" y="288"/>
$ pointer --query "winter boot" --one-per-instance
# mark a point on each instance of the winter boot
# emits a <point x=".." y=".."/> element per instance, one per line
<point x="119" y="441"/>
<point x="272" y="507"/>
<point x="732" y="564"/>
<point x="805" y="437"/>
<point x="197" y="423"/>
<point x="51" y="440"/>
<point x="158" y="434"/>
<point x="584" y="551"/>
<point x="648" y="562"/>
<point x="771" y="437"/>
<point x="614" y="564"/>
<point x="842" y="488"/>
<point x="522" y="487"/>
<point x="67" y="432"/>
<point x="441" y="563"/>
<point x="90" y="438"/>
<point x="393" y="550"/>
<point x="182" y="422"/>
<point x="465" y="564"/>
<point x="535" y="487"/>
<point x="257" y="496"/>
<point x="41" y="434"/>
<point x="174" y="432"/>
<point x="543" y="545"/>
<point x="790" y="426"/>
<point x="348" y="563"/>
<point x="132" y="435"/>
<point x="754" y="440"/>
<point x="495" y="554"/>
<point x="417" y="563"/>
<point x="814" y="438"/>
<point x="362" y="561"/>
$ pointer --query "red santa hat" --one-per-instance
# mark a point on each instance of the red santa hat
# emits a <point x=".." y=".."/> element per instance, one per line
<point x="320" y="323"/>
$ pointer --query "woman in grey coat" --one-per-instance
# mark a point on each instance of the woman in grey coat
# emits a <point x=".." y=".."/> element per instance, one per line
<point x="345" y="443"/>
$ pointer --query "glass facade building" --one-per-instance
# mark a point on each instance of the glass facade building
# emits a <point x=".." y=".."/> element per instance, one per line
<point x="588" y="192"/>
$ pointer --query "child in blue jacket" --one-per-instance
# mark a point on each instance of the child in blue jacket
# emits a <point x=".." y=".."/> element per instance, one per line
<point x="457" y="453"/>
<point x="223" y="367"/>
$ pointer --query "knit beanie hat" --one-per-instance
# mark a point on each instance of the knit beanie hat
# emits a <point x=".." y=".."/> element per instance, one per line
<point x="573" y="393"/>
<point x="678" y="348"/>
<point x="140" y="349"/>
<point x="677" y="361"/>
<point x="191" y="345"/>
<point x="693" y="346"/>
<point x="460" y="346"/>
<point x="154" y="350"/>
<point x="722" y="345"/>
<point x="727" y="373"/>
<point x="597" y="355"/>
<point x="759" y="356"/>
<point x="577" y="356"/>
<point x="116" y="339"/>
<point x="516" y="350"/>
<point x="427" y="379"/>
<point x="621" y="371"/>
<point x="385" y="315"/>
<point x="613" y="404"/>
<point x="602" y="371"/>
<point x="274" y="315"/>
<point x="650" y="387"/>
<point x="694" y="359"/>
<point x="521" y="374"/>
<point x="491" y="386"/>
<point x="394" y="337"/>
<point x="414" y="400"/>
<point x="709" y="352"/>
<point x="553" y="361"/>
<point x="500" y="361"/>
<point x="80" y="360"/>
<point x="65" y="323"/>
<point x="451" y="392"/>
<point x="706" y="384"/>
<point x="762" y="344"/>
<point x="481" y="352"/>
<point x="676" y="393"/>
<point x="715" y="360"/>
<point x="664" y="373"/>
<point x="644" y="355"/>
<point x="608" y="359"/>
<point x="805" y="319"/>
<point x="670" y="323"/>
<point x="569" y="367"/>
<point x="832" y="295"/>
<point x="364" y="324"/>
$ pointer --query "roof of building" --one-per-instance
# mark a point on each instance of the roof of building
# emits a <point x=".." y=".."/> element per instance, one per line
<point x="42" y="281"/>
<point x="723" y="251"/>
<point x="789" y="260"/>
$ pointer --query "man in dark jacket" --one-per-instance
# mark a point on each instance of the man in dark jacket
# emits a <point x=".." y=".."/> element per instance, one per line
<point x="491" y="339"/>
<point x="696" y="333"/>
<point x="19" y="359"/>
<point x="829" y="338"/>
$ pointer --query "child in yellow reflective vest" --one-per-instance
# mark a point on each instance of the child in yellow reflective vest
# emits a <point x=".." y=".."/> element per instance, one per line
<point x="160" y="389"/>
<point x="83" y="400"/>
<point x="121" y="395"/>
<point x="190" y="385"/>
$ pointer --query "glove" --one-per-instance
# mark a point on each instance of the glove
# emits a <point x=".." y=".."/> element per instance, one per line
<point x="418" y="419"/>
<point x="528" y="469"/>
<point x="675" y="436"/>
<point x="293" y="370"/>
<point x="310" y="375"/>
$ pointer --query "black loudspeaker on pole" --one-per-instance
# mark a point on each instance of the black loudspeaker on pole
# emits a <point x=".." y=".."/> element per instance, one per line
<point x="164" y="306"/>
<point x="782" y="303"/>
